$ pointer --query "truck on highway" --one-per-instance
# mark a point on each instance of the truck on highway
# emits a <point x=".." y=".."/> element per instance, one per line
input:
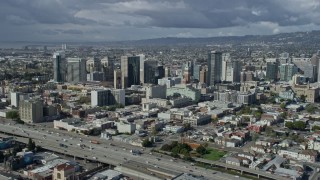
<point x="94" y="142"/>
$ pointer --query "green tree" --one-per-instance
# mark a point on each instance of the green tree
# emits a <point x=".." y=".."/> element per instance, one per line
<point x="257" y="115"/>
<point x="147" y="143"/>
<point x="299" y="125"/>
<point x="310" y="108"/>
<point x="315" y="128"/>
<point x="289" y="125"/>
<point x="12" y="115"/>
<point x="283" y="105"/>
<point x="201" y="150"/>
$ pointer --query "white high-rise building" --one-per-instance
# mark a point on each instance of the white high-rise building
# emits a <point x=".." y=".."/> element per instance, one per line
<point x="76" y="71"/>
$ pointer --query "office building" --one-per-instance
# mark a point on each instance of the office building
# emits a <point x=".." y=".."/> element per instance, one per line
<point x="203" y="75"/>
<point x="185" y="91"/>
<point x="130" y="70"/>
<point x="16" y="97"/>
<point x="31" y="111"/>
<point x="310" y="71"/>
<point x="76" y="71"/>
<point x="100" y="97"/>
<point x="196" y="72"/>
<point x="214" y="68"/>
<point x="93" y="64"/>
<point x="107" y="66"/>
<point x="167" y="72"/>
<point x="106" y="97"/>
<point x="118" y="96"/>
<point x="230" y="69"/>
<point x="97" y="76"/>
<point x="156" y="91"/>
<point x="272" y="71"/>
<point x="287" y="71"/>
<point x="150" y="69"/>
<point x="59" y="67"/>
<point x="246" y="76"/>
<point x="117" y="79"/>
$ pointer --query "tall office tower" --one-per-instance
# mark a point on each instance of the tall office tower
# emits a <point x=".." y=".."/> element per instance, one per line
<point x="59" y="67"/>
<point x="196" y="72"/>
<point x="214" y="68"/>
<point x="31" y="111"/>
<point x="203" y="75"/>
<point x="272" y="71"/>
<point x="287" y="71"/>
<point x="167" y="72"/>
<point x="188" y="65"/>
<point x="108" y="68"/>
<point x="227" y="70"/>
<point x="149" y="74"/>
<point x="142" y="69"/>
<point x="186" y="76"/>
<point x="310" y="72"/>
<point x="130" y="71"/>
<point x="117" y="79"/>
<point x="76" y="71"/>
<point x="100" y="97"/>
<point x="93" y="64"/>
<point x="237" y="66"/>
<point x="159" y="73"/>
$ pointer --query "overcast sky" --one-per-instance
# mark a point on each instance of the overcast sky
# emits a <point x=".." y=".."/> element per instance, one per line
<point x="109" y="20"/>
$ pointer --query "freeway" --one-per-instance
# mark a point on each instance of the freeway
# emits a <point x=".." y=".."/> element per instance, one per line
<point x="116" y="154"/>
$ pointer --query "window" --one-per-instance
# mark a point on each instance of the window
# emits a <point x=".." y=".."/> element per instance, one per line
<point x="58" y="176"/>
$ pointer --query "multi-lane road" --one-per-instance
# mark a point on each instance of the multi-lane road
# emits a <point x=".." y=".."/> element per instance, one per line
<point x="115" y="154"/>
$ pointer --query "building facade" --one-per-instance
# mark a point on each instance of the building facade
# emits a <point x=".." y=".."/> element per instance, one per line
<point x="214" y="68"/>
<point x="76" y="70"/>
<point x="31" y="111"/>
<point x="59" y="67"/>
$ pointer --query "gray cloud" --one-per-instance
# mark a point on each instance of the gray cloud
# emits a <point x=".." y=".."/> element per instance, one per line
<point x="138" y="19"/>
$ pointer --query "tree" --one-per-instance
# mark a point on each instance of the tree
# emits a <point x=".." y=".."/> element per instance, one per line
<point x="147" y="143"/>
<point x="289" y="125"/>
<point x="315" y="128"/>
<point x="201" y="150"/>
<point x="283" y="105"/>
<point x="12" y="115"/>
<point x="299" y="125"/>
<point x="310" y="108"/>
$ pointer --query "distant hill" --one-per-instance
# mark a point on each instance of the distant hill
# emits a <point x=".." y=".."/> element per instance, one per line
<point x="312" y="37"/>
